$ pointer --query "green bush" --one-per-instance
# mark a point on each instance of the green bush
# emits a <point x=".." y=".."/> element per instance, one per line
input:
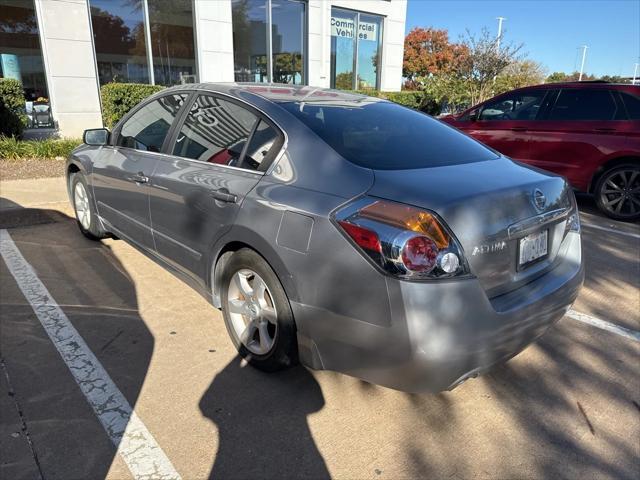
<point x="415" y="99"/>
<point x="13" y="118"/>
<point x="368" y="93"/>
<point x="411" y="99"/>
<point x="119" y="98"/>
<point x="14" y="149"/>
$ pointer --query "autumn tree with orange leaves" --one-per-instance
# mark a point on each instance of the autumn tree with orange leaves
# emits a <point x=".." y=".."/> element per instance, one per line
<point x="428" y="51"/>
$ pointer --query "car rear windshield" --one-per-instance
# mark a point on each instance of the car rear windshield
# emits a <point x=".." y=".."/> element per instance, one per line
<point x="385" y="136"/>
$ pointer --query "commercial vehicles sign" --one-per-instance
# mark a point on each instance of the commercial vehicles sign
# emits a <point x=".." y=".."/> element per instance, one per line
<point x="344" y="27"/>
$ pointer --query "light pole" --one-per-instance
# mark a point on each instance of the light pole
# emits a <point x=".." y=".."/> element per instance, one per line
<point x="635" y="73"/>
<point x="584" y="56"/>
<point x="500" y="20"/>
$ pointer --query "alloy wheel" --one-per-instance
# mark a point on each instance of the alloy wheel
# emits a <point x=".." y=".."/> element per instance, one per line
<point x="620" y="192"/>
<point x="252" y="311"/>
<point x="81" y="203"/>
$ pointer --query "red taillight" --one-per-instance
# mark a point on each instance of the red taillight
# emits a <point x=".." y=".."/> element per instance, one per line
<point x="419" y="254"/>
<point x="403" y="240"/>
<point x="365" y="238"/>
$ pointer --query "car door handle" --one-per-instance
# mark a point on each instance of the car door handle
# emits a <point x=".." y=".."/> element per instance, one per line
<point x="605" y="129"/>
<point x="518" y="129"/>
<point x="139" y="178"/>
<point x="223" y="195"/>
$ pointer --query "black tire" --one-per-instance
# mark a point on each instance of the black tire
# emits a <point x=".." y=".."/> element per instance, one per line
<point x="94" y="231"/>
<point x="284" y="352"/>
<point x="622" y="202"/>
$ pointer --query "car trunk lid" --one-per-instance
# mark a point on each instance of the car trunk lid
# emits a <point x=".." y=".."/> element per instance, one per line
<point x="489" y="206"/>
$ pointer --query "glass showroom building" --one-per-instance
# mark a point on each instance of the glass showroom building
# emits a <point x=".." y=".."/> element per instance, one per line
<point x="64" y="50"/>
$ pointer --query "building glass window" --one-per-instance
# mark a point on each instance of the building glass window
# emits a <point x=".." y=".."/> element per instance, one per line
<point x="254" y="40"/>
<point x="120" y="39"/>
<point x="343" y="48"/>
<point x="250" y="40"/>
<point x="120" y="42"/>
<point x="369" y="33"/>
<point x="21" y="57"/>
<point x="172" y="41"/>
<point x="288" y="35"/>
<point x="356" y="40"/>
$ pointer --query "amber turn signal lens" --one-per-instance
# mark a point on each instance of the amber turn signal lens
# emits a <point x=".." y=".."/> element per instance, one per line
<point x="409" y="218"/>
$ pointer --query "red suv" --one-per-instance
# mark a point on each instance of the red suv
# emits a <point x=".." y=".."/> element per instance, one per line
<point x="587" y="131"/>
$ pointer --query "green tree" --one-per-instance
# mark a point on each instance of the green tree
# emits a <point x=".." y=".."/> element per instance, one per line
<point x="519" y="74"/>
<point x="286" y="67"/>
<point x="488" y="57"/>
<point x="344" y="81"/>
<point x="445" y="89"/>
<point x="556" y="77"/>
<point x="614" y="79"/>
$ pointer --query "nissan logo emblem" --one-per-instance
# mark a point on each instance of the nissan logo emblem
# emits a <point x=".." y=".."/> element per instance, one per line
<point x="539" y="200"/>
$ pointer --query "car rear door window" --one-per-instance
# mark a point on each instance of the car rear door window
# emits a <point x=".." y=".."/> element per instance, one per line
<point x="264" y="145"/>
<point x="520" y="106"/>
<point x="147" y="128"/>
<point x="215" y="131"/>
<point x="584" y="104"/>
<point x="632" y="103"/>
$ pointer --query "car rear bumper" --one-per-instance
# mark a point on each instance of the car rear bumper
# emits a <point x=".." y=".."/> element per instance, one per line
<point x="440" y="333"/>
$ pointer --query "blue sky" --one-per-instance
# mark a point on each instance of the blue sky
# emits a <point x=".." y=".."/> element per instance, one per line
<point x="552" y="30"/>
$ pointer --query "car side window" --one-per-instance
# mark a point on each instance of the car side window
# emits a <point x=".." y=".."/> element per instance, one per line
<point x="632" y="103"/>
<point x="469" y="116"/>
<point x="215" y="131"/>
<point x="265" y="144"/>
<point x="147" y="128"/>
<point x="584" y="104"/>
<point x="519" y="106"/>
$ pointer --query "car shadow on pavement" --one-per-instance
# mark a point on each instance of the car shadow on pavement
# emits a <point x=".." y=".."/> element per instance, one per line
<point x="98" y="296"/>
<point x="262" y="423"/>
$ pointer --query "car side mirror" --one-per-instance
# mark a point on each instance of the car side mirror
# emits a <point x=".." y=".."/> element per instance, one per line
<point x="96" y="136"/>
<point x="473" y="116"/>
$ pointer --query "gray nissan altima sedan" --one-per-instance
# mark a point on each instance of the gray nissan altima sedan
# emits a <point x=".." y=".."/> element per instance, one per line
<point x="342" y="231"/>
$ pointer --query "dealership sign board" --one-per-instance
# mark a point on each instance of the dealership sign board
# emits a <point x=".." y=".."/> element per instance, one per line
<point x="344" y="27"/>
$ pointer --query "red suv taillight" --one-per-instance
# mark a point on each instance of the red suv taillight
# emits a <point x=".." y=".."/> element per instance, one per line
<point x="405" y="241"/>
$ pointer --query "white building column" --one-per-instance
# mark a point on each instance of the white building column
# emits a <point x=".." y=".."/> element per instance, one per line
<point x="214" y="40"/>
<point x="319" y="43"/>
<point x="393" y="46"/>
<point x="69" y="61"/>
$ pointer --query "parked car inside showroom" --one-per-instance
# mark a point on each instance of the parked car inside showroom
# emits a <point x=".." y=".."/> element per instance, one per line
<point x="588" y="132"/>
<point x="343" y="231"/>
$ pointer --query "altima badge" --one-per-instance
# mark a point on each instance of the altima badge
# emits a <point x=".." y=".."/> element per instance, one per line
<point x="539" y="200"/>
<point x="489" y="248"/>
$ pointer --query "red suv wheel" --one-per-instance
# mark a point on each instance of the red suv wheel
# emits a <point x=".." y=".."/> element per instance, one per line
<point x="618" y="192"/>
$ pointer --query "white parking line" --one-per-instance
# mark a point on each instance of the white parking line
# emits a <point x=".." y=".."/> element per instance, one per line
<point x="612" y="230"/>
<point x="604" y="325"/>
<point x="134" y="442"/>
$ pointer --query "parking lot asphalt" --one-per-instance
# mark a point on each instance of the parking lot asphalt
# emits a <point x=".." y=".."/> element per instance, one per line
<point x="566" y="407"/>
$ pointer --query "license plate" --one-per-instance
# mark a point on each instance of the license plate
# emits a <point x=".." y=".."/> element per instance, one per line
<point x="532" y="247"/>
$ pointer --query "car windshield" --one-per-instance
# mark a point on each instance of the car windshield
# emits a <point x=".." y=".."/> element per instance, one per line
<point x="385" y="136"/>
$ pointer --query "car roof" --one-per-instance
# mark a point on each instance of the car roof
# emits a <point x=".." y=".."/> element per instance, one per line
<point x="584" y="84"/>
<point x="283" y="93"/>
